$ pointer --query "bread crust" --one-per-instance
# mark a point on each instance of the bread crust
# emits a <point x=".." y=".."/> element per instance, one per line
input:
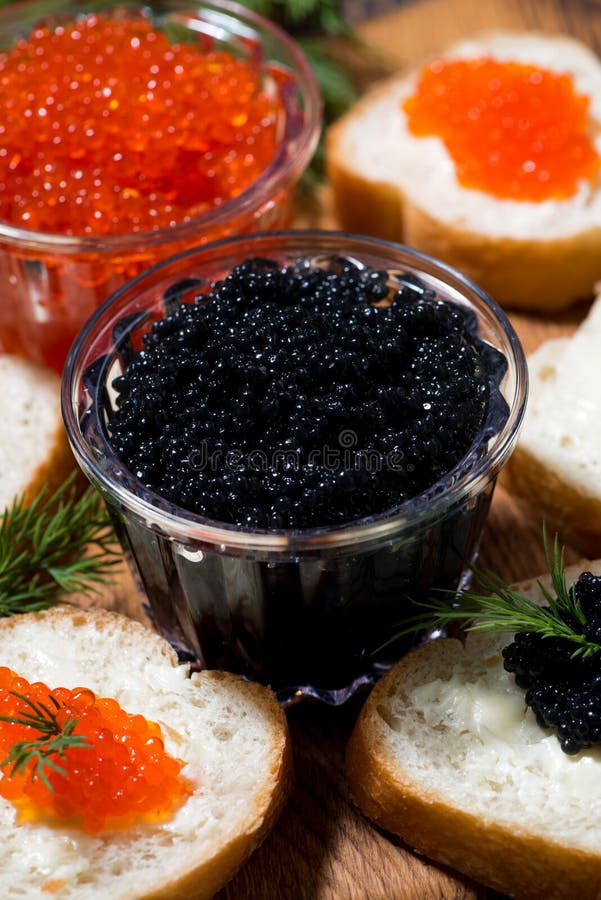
<point x="56" y="468"/>
<point x="204" y="875"/>
<point x="362" y="205"/>
<point x="53" y="460"/>
<point x="534" y="274"/>
<point x="575" y="516"/>
<point x="554" y="467"/>
<point x="541" y="274"/>
<point x="59" y="462"/>
<point x="511" y="860"/>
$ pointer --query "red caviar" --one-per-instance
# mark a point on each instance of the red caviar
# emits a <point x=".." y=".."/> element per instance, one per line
<point x="124" y="775"/>
<point x="108" y="128"/>
<point x="516" y="131"/>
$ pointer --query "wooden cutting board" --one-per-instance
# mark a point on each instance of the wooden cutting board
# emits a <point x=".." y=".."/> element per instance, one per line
<point x="322" y="848"/>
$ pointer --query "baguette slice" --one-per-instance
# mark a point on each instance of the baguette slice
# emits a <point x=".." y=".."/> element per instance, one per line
<point x="446" y="755"/>
<point x="392" y="185"/>
<point x="232" y="735"/>
<point x="34" y="451"/>
<point x="556" y="467"/>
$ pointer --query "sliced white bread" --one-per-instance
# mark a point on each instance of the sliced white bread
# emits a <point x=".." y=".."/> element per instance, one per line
<point x="390" y="184"/>
<point x="556" y="467"/>
<point x="446" y="754"/>
<point x="34" y="451"/>
<point x="231" y="734"/>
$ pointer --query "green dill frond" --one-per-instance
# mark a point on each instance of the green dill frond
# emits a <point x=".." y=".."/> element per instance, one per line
<point x="494" y="606"/>
<point x="40" y="752"/>
<point x="59" y="543"/>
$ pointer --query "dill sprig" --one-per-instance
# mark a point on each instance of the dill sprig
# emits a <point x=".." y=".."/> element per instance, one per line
<point x="301" y="16"/>
<point x="312" y="23"/>
<point x="59" y="543"/>
<point x="55" y="739"/>
<point x="496" y="607"/>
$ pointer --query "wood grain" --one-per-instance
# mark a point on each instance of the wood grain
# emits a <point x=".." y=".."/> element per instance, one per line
<point x="322" y="849"/>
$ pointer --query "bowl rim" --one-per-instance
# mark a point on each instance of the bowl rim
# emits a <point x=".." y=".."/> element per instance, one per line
<point x="278" y="173"/>
<point x="419" y="511"/>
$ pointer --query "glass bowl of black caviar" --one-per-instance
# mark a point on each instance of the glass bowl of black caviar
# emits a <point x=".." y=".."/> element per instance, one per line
<point x="298" y="436"/>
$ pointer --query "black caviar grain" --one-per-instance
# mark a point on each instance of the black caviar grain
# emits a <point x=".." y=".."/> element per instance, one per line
<point x="290" y="398"/>
<point x="563" y="690"/>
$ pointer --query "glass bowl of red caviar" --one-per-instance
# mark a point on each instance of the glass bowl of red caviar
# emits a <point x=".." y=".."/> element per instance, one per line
<point x="130" y="132"/>
<point x="298" y="576"/>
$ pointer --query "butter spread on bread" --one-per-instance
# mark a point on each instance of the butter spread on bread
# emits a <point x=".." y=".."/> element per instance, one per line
<point x="447" y="755"/>
<point x="231" y="734"/>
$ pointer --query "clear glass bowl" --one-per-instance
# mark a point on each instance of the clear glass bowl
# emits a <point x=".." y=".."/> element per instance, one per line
<point x="305" y="610"/>
<point x="52" y="283"/>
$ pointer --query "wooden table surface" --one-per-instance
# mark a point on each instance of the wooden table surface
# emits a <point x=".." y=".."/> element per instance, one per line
<point x="322" y="848"/>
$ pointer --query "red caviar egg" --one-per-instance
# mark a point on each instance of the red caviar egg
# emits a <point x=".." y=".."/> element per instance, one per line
<point x="515" y="131"/>
<point x="122" y="777"/>
<point x="108" y="128"/>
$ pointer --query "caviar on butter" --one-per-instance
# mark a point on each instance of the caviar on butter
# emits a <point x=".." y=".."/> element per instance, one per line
<point x="120" y="776"/>
<point x="563" y="688"/>
<point x="515" y="131"/>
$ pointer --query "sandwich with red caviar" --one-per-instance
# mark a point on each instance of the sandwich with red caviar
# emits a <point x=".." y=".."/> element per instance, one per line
<point x="122" y="776"/>
<point x="488" y="157"/>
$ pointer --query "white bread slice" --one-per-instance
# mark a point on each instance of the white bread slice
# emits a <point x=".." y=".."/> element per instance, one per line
<point x="33" y="448"/>
<point x="446" y="755"/>
<point x="557" y="464"/>
<point x="232" y="735"/>
<point x="390" y="184"/>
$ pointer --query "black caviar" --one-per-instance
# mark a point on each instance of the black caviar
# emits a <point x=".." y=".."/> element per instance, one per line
<point x="563" y="690"/>
<point x="301" y="396"/>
